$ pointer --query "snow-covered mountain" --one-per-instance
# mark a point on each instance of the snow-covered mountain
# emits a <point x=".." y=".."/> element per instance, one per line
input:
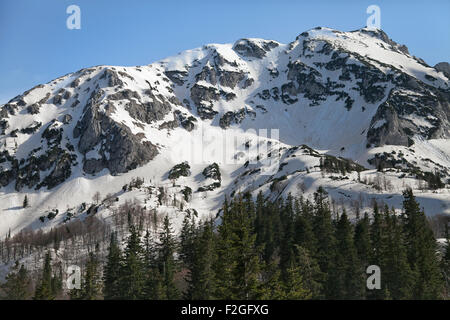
<point x="355" y="113"/>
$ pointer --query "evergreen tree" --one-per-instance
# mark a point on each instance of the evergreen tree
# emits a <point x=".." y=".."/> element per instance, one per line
<point x="422" y="248"/>
<point x="224" y="263"/>
<point x="57" y="282"/>
<point x="287" y="240"/>
<point x="153" y="284"/>
<point x="326" y="242"/>
<point x="91" y="285"/>
<point x="132" y="272"/>
<point x="167" y="264"/>
<point x="44" y="288"/>
<point x="347" y="274"/>
<point x="294" y="284"/>
<point x="397" y="274"/>
<point x="303" y="226"/>
<point x="362" y="242"/>
<point x="17" y="282"/>
<point x="25" y="202"/>
<point x="201" y="285"/>
<point x="111" y="271"/>
<point x="238" y="268"/>
<point x="377" y="254"/>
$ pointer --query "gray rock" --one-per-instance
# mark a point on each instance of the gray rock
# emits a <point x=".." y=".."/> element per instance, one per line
<point x="249" y="48"/>
<point x="67" y="118"/>
<point x="120" y="149"/>
<point x="444" y="67"/>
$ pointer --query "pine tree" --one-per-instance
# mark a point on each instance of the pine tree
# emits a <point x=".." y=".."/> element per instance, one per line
<point x="378" y="247"/>
<point x="111" y="271"/>
<point x="132" y="276"/>
<point x="422" y="248"/>
<point x="25" y="202"/>
<point x="153" y="289"/>
<point x="57" y="282"/>
<point x="187" y="247"/>
<point x="397" y="274"/>
<point x="294" y="284"/>
<point x="201" y="285"/>
<point x="167" y="263"/>
<point x="17" y="282"/>
<point x="347" y="274"/>
<point x="362" y="240"/>
<point x="224" y="264"/>
<point x="303" y="226"/>
<point x="44" y="288"/>
<point x="237" y="267"/>
<point x="91" y="285"/>
<point x="287" y="240"/>
<point x="326" y="242"/>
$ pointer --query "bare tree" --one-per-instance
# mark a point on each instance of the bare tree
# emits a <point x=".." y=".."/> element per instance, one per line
<point x="96" y="198"/>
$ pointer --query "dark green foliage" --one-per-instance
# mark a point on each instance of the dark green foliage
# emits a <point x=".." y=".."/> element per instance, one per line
<point x="111" y="271"/>
<point x="212" y="171"/>
<point x="283" y="249"/>
<point x="44" y="289"/>
<point x="347" y="275"/>
<point x="17" y="282"/>
<point x="25" y="202"/>
<point x="132" y="272"/>
<point x="181" y="169"/>
<point x="166" y="259"/>
<point x="91" y="281"/>
<point x="422" y="250"/>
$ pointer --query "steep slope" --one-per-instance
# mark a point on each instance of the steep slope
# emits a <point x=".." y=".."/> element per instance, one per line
<point x="356" y="95"/>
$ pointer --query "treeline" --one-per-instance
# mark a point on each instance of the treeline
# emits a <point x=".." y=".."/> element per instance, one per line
<point x="287" y="249"/>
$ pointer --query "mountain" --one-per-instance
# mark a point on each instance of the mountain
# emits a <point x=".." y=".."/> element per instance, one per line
<point x="355" y="113"/>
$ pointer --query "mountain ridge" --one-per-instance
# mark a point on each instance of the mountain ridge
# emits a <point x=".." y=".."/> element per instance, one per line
<point x="353" y="95"/>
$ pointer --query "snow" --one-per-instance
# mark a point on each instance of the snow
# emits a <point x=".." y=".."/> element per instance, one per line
<point x="328" y="128"/>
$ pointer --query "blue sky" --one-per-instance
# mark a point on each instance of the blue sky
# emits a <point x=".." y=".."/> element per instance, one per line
<point x="36" y="46"/>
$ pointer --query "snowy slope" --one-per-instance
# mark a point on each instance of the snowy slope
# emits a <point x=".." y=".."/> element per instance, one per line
<point x="356" y="95"/>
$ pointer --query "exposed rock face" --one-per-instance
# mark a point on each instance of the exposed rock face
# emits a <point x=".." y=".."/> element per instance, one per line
<point x="403" y="115"/>
<point x="149" y="112"/>
<point x="249" y="48"/>
<point x="104" y="116"/>
<point x="119" y="149"/>
<point x="444" y="67"/>
<point x="231" y="117"/>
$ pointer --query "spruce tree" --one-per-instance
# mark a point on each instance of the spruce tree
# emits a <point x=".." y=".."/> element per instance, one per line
<point x="153" y="289"/>
<point x="294" y="284"/>
<point x="132" y="273"/>
<point x="25" y="202"/>
<point x="167" y="263"/>
<point x="303" y="226"/>
<point x="44" y="287"/>
<point x="422" y="248"/>
<point x="326" y="242"/>
<point x="378" y="247"/>
<point x="347" y="274"/>
<point x="287" y="240"/>
<point x="237" y="267"/>
<point x="91" y="285"/>
<point x="17" y="282"/>
<point x="396" y="272"/>
<point x="111" y="271"/>
<point x="362" y="240"/>
<point x="201" y="285"/>
<point x="224" y="263"/>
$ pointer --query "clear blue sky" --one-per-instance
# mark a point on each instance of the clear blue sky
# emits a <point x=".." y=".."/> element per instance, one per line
<point x="36" y="46"/>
